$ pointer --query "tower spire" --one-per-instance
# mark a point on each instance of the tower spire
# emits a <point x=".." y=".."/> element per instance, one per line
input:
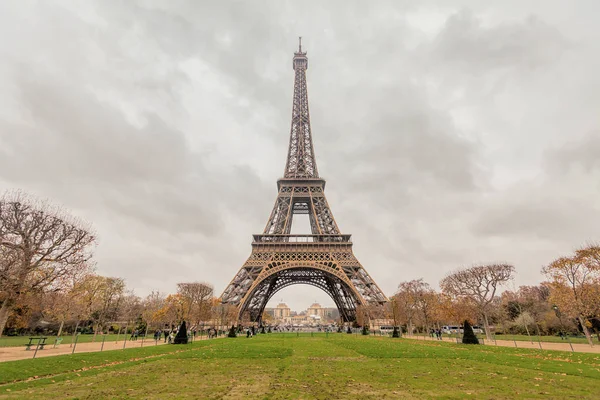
<point x="301" y="163"/>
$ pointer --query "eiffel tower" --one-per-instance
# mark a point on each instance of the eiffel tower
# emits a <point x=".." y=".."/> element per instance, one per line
<point x="324" y="258"/>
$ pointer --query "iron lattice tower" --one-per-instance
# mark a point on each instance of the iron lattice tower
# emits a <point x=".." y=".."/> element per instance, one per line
<point x="324" y="258"/>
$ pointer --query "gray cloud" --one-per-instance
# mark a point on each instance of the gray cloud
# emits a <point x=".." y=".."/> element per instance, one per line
<point x="468" y="47"/>
<point x="449" y="132"/>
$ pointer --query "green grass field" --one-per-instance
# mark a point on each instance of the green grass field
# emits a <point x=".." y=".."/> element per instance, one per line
<point x="285" y="366"/>
<point x="18" y="341"/>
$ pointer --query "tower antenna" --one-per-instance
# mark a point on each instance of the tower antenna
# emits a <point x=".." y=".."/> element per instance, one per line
<point x="300" y="44"/>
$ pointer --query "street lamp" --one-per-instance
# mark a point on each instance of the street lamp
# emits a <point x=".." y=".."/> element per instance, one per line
<point x="559" y="315"/>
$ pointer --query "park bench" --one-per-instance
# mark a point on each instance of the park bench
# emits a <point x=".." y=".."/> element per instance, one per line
<point x="41" y="341"/>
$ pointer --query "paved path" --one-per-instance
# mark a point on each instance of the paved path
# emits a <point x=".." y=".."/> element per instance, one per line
<point x="564" y="346"/>
<point x="19" y="353"/>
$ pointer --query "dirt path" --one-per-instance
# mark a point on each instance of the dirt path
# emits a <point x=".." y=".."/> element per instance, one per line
<point x="577" y="347"/>
<point x="19" y="353"/>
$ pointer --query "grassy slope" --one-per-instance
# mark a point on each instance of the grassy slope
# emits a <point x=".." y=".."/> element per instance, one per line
<point x="285" y="366"/>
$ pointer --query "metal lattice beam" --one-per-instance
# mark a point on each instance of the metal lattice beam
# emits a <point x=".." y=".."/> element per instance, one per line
<point x="301" y="161"/>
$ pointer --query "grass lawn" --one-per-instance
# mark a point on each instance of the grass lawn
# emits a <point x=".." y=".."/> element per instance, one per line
<point x="20" y="341"/>
<point x="285" y="366"/>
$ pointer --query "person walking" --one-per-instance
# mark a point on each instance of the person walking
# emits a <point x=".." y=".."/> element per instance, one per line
<point x="166" y="333"/>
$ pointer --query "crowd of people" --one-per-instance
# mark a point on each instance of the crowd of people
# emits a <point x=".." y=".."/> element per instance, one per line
<point x="437" y="333"/>
<point x="170" y="333"/>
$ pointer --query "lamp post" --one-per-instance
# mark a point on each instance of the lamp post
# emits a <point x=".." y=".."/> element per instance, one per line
<point x="559" y="315"/>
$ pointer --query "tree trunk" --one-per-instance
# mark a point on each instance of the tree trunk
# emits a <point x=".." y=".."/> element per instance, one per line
<point x="5" y="311"/>
<point x="588" y="336"/>
<point x="486" y="326"/>
<point x="118" y="334"/>
<point x="74" y="333"/>
<point x="62" y="323"/>
<point x="527" y="330"/>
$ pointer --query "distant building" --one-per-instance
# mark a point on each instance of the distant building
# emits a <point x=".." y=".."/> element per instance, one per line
<point x="378" y="323"/>
<point x="282" y="311"/>
<point x="315" y="310"/>
<point x="270" y="311"/>
<point x="313" y="315"/>
<point x="331" y="314"/>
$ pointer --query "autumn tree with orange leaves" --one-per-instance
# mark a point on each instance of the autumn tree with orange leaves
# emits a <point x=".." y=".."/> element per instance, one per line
<point x="575" y="285"/>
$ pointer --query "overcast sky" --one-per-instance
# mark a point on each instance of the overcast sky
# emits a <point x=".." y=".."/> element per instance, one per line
<point x="450" y="132"/>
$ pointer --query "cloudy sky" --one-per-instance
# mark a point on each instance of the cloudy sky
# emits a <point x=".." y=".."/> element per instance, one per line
<point x="450" y="132"/>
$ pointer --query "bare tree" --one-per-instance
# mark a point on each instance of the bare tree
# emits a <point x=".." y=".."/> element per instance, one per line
<point x="223" y="315"/>
<point x="427" y="302"/>
<point x="363" y="317"/>
<point x="479" y="284"/>
<point x="39" y="245"/>
<point x="100" y="298"/>
<point x="410" y="301"/>
<point x="130" y="310"/>
<point x="153" y="304"/>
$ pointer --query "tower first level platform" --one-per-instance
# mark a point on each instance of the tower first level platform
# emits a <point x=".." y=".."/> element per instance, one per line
<point x="323" y="261"/>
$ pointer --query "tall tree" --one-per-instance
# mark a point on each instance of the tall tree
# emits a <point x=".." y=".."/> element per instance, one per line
<point x="39" y="244"/>
<point x="531" y="300"/>
<point x="197" y="297"/>
<point x="576" y="285"/>
<point x="427" y="305"/>
<point x="152" y="306"/>
<point x="452" y="310"/>
<point x="100" y="297"/>
<point x="130" y="310"/>
<point x="172" y="310"/>
<point x="410" y="299"/>
<point x="479" y="284"/>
